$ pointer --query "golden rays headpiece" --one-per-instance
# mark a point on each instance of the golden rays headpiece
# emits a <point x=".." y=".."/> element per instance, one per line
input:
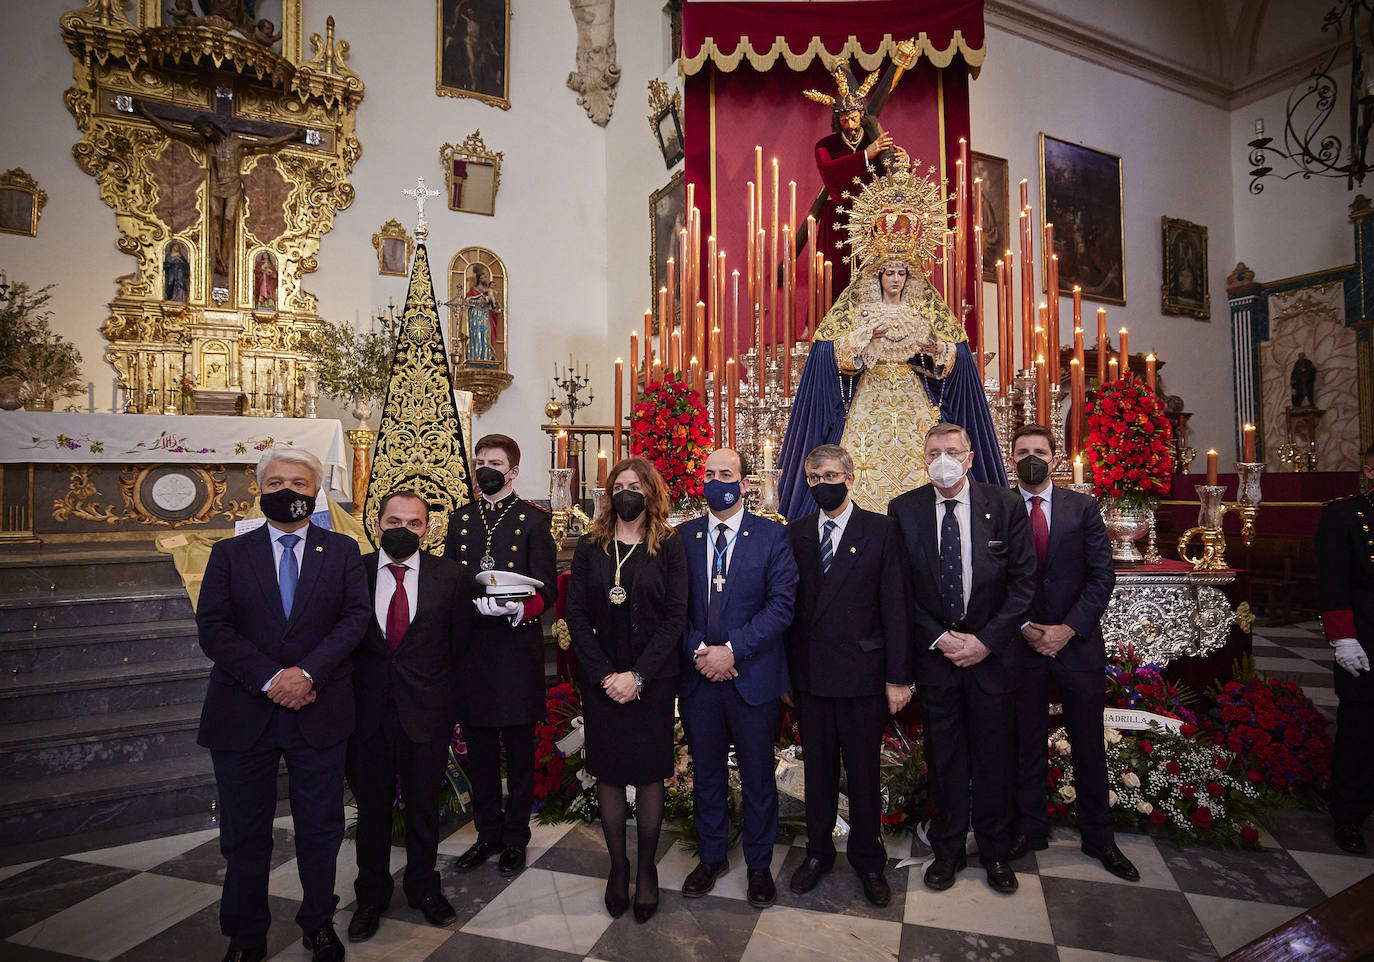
<point x="899" y="216"/>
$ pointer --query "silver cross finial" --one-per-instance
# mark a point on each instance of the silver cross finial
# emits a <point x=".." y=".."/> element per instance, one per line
<point x="420" y="192"/>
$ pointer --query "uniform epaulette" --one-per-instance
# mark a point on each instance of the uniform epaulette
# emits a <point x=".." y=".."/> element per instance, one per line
<point x="539" y="507"/>
<point x="1346" y="497"/>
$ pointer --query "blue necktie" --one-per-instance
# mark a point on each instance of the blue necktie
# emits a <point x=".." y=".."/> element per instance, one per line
<point x="288" y="572"/>
<point x="827" y="551"/>
<point x="951" y="565"/>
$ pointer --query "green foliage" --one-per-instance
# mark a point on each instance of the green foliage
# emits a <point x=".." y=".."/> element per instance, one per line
<point x="48" y="365"/>
<point x="351" y="363"/>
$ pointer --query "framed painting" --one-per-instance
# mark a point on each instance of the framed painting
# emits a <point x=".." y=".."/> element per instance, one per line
<point x="1184" y="290"/>
<point x="21" y="203"/>
<point x="394" y="247"/>
<point x="472" y="174"/>
<point x="667" y="216"/>
<point x="1081" y="195"/>
<point x="473" y="57"/>
<point x="997" y="236"/>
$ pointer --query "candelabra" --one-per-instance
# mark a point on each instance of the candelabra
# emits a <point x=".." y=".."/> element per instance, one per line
<point x="1212" y="510"/>
<point x="571" y="384"/>
<point x="760" y="417"/>
<point x="568" y="516"/>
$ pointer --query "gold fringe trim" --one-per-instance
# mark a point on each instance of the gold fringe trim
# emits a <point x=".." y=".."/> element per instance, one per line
<point x="763" y="60"/>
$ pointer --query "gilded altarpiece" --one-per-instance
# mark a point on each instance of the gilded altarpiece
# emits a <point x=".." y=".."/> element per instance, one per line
<point x="225" y="155"/>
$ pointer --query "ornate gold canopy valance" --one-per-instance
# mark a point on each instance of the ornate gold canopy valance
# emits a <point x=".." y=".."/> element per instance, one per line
<point x="763" y="55"/>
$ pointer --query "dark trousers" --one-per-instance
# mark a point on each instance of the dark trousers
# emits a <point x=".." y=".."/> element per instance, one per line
<point x="1083" y="695"/>
<point x="247" y="786"/>
<point x="1352" y="762"/>
<point x="510" y="827"/>
<point x="970" y="738"/>
<point x="377" y="757"/>
<point x="850" y="729"/>
<point x="714" y="717"/>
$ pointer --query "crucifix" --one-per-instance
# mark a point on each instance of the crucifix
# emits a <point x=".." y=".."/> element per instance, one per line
<point x="719" y="580"/>
<point x="226" y="140"/>
<point x="421" y="193"/>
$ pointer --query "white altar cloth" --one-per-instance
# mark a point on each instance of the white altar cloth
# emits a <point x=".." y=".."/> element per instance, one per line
<point x="52" y="437"/>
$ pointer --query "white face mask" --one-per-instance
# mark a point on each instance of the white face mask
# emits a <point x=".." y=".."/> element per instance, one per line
<point x="945" y="471"/>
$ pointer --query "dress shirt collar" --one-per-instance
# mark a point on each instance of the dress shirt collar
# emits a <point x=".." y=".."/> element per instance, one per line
<point x="384" y="559"/>
<point x="277" y="534"/>
<point x="732" y="524"/>
<point x="1045" y="495"/>
<point x="840" y="521"/>
<point x="963" y="497"/>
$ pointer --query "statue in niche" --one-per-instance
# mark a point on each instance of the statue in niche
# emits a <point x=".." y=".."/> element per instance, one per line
<point x="1303" y="380"/>
<point x="176" y="273"/>
<point x="484" y="316"/>
<point x="265" y="282"/>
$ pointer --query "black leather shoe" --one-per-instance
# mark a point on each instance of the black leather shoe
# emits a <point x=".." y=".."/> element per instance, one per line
<point x="703" y="878"/>
<point x="1023" y="845"/>
<point x="476" y="855"/>
<point x="617" y="898"/>
<point x="324" y="945"/>
<point x="1350" y="839"/>
<point x="256" y="954"/>
<point x="761" y="891"/>
<point x="366" y="919"/>
<point x="940" y="873"/>
<point x="876" y="889"/>
<point x="512" y="860"/>
<point x="1113" y="861"/>
<point x="808" y="873"/>
<point x="1001" y="878"/>
<point x="436" y="909"/>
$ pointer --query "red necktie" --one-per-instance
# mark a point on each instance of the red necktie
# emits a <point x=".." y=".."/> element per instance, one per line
<point x="1040" y="528"/>
<point x="398" y="611"/>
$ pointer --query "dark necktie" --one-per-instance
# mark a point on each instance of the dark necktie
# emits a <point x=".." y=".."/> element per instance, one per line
<point x="288" y="571"/>
<point x="951" y="565"/>
<point x="1040" y="528"/>
<point x="398" y="611"/>
<point x="722" y="544"/>
<point x="827" y="550"/>
<point x="715" y="591"/>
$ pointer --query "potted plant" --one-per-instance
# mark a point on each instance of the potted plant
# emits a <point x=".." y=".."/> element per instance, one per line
<point x="37" y="365"/>
<point x="354" y="366"/>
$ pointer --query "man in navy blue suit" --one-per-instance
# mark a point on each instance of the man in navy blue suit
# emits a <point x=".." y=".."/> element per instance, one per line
<point x="281" y="609"/>
<point x="742" y="582"/>
<point x="1073" y="583"/>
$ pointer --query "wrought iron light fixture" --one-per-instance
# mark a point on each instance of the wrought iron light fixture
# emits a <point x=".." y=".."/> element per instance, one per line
<point x="1318" y="154"/>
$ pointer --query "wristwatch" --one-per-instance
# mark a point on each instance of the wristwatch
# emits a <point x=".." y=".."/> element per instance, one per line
<point x="308" y="677"/>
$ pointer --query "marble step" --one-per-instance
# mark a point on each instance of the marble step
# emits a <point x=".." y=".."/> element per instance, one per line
<point x="92" y="691"/>
<point x="58" y="746"/>
<point x="89" y="608"/>
<point x="58" y="805"/>
<point x="57" y="649"/>
<point x="45" y="571"/>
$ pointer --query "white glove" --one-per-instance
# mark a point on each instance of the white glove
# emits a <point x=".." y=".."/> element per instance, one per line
<point x="494" y="609"/>
<point x="1350" y="656"/>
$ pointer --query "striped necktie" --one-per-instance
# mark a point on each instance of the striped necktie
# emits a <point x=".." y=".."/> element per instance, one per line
<point x="827" y="548"/>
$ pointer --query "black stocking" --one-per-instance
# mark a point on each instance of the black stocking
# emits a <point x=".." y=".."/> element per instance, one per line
<point x="649" y="820"/>
<point x="611" y="801"/>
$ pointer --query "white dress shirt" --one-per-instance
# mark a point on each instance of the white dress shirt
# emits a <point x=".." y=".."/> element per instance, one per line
<point x="962" y="514"/>
<point x="1046" y="497"/>
<point x="386" y="586"/>
<point x="838" y="522"/>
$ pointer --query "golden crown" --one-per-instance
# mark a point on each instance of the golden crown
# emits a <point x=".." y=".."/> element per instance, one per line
<point x="898" y="216"/>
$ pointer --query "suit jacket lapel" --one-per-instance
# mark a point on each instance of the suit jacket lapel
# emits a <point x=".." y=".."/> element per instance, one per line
<point x="310" y="570"/>
<point x="979" y="527"/>
<point x="1059" y="521"/>
<point x="842" y="564"/>
<point x="925" y="506"/>
<point x="738" y="554"/>
<point x="695" y="542"/>
<point x="260" y="544"/>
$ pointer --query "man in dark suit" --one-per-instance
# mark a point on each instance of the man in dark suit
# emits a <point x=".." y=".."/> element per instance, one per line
<point x="1073" y="583"/>
<point x="1345" y="592"/>
<point x="403" y="676"/>
<point x="850" y="660"/>
<point x="742" y="582"/>
<point x="970" y="564"/>
<point x="281" y="609"/>
<point x="500" y="669"/>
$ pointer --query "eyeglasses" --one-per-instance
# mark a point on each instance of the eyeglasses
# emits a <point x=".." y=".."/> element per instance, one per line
<point x="930" y="456"/>
<point x="830" y="477"/>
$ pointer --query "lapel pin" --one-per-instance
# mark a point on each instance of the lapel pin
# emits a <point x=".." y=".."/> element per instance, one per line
<point x="698" y="535"/>
<point x="853" y="550"/>
<point x="319" y="547"/>
<point x="745" y="533"/>
<point x="988" y="516"/>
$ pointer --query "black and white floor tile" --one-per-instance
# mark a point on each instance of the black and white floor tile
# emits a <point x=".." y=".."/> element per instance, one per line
<point x="156" y="900"/>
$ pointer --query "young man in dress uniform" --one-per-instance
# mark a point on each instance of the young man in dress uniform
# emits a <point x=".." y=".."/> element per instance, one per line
<point x="500" y="671"/>
<point x="1345" y="592"/>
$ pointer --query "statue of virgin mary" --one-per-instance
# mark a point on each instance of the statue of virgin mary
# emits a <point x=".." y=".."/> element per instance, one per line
<point x="889" y="360"/>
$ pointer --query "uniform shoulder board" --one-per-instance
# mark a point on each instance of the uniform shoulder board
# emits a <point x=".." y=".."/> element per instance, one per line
<point x="537" y="507"/>
<point x="1342" y="498"/>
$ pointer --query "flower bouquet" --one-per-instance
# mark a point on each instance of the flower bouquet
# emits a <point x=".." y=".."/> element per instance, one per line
<point x="669" y="427"/>
<point x="1130" y="445"/>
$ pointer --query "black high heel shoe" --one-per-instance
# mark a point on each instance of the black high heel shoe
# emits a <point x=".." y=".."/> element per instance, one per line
<point x="644" y="911"/>
<point x="618" y="895"/>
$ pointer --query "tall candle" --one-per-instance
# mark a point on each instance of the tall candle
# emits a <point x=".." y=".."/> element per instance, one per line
<point x="787" y="315"/>
<point x="1112" y="369"/>
<point x="712" y="308"/>
<point x="1248" y="432"/>
<point x="1125" y="352"/>
<point x="791" y="213"/>
<point x="648" y="339"/>
<point x="812" y="280"/>
<point x="829" y="295"/>
<point x="960" y="225"/>
<point x="1027" y="279"/>
<point x="619" y="405"/>
<point x="657" y="370"/>
<point x="699" y="349"/>
<point x="1078" y="469"/>
<point x="694" y="373"/>
<point x="665" y="321"/>
<point x="1009" y="356"/>
<point x="773" y="258"/>
<point x="767" y="455"/>
<point x="731" y="393"/>
<point x="717" y="366"/>
<point x="1001" y="329"/>
<point x="1101" y="345"/>
<point x="1052" y="330"/>
<point x="947" y="266"/>
<point x="732" y="331"/>
<point x="1150" y="374"/>
<point x="561" y="446"/>
<point x="978" y="285"/>
<point x="1042" y="390"/>
<point x="601" y="469"/>
<point x="672" y="292"/>
<point x="684" y="267"/>
<point x="749" y="268"/>
<point x="1077" y="306"/>
<point x="675" y="353"/>
<point x="1211" y="467"/>
<point x="758" y="179"/>
<point x="1076" y="400"/>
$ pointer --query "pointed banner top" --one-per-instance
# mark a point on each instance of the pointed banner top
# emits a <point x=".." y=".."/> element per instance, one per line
<point x="420" y="192"/>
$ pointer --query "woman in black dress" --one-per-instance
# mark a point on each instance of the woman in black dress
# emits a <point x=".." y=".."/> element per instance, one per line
<point x="627" y="604"/>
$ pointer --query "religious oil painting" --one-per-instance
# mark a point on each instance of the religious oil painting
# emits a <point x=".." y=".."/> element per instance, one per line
<point x="21" y="203"/>
<point x="997" y="234"/>
<point x="1184" y="290"/>
<point x="1080" y="194"/>
<point x="477" y="306"/>
<point x="258" y="20"/>
<point x="472" y="175"/>
<point x="394" y="247"/>
<point x="667" y="216"/>
<point x="668" y="126"/>
<point x="474" y="50"/>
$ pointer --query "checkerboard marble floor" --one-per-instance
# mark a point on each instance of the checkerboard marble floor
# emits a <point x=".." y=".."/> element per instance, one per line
<point x="157" y="899"/>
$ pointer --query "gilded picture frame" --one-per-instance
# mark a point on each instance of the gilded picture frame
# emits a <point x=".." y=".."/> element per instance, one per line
<point x="21" y="203"/>
<point x="997" y="225"/>
<point x="472" y="175"/>
<point x="665" y="120"/>
<point x="472" y="55"/>
<point x="477" y="294"/>
<point x="667" y="215"/>
<point x="1184" y="290"/>
<point x="1081" y="194"/>
<point x="394" y="248"/>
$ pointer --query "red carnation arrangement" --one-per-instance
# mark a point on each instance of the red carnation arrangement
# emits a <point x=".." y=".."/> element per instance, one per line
<point x="670" y="428"/>
<point x="1273" y="728"/>
<point x="1130" y="443"/>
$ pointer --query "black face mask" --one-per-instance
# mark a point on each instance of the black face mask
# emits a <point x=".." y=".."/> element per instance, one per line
<point x="628" y="505"/>
<point x="829" y="496"/>
<point x="489" y="479"/>
<point x="400" y="543"/>
<point x="285" y="506"/>
<point x="1033" y="470"/>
